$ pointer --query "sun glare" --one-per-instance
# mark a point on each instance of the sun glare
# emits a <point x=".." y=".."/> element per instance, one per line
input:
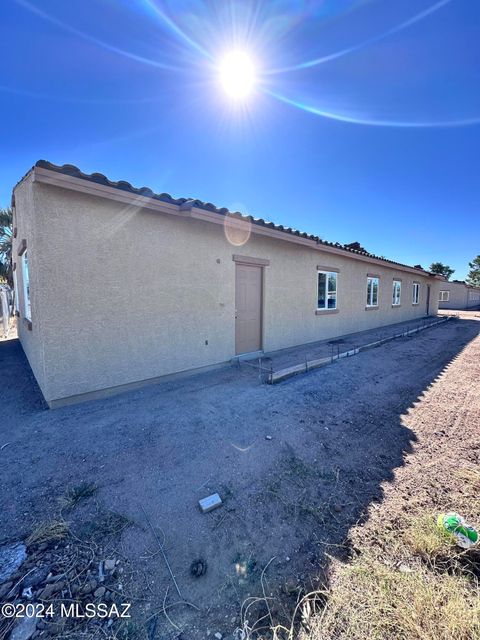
<point x="237" y="75"/>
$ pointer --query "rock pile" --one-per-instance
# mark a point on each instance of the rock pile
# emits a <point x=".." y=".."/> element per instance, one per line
<point x="51" y="577"/>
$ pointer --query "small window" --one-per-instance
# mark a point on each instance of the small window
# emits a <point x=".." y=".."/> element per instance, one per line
<point x="415" y="293"/>
<point x="396" y="293"/>
<point x="27" y="311"/>
<point x="372" y="291"/>
<point x="15" y="292"/>
<point x="327" y="290"/>
<point x="444" y="296"/>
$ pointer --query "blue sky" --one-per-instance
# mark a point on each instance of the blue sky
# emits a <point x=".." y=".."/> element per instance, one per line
<point x="364" y="123"/>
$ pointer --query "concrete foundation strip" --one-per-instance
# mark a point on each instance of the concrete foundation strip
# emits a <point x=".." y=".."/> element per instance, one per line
<point x="259" y="367"/>
<point x="288" y="372"/>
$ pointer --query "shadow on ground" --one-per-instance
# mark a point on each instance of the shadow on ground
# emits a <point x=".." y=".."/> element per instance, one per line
<point x="334" y="436"/>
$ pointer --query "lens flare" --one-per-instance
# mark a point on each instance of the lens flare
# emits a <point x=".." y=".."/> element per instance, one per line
<point x="105" y="45"/>
<point x="371" y="121"/>
<point x="237" y="229"/>
<point x="366" y="43"/>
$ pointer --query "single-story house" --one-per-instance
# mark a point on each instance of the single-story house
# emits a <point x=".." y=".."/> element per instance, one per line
<point x="118" y="285"/>
<point x="458" y="295"/>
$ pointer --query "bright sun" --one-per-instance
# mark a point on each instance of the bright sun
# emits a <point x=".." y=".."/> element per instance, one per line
<point x="237" y="74"/>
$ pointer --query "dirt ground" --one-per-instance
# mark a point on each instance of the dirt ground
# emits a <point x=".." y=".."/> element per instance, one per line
<point x="413" y="582"/>
<point x="338" y="437"/>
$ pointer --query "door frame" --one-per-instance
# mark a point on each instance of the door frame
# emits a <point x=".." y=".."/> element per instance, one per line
<point x="250" y="261"/>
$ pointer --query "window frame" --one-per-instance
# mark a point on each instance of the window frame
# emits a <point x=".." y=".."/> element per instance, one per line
<point x="16" y="306"/>
<point x="27" y="305"/>
<point x="394" y="296"/>
<point x="370" y="304"/>
<point x="416" y="298"/>
<point x="327" y="275"/>
<point x="442" y="298"/>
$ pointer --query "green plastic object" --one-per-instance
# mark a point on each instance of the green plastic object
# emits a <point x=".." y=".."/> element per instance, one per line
<point x="465" y="535"/>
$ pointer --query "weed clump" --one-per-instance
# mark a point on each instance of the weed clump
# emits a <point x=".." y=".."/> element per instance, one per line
<point x="75" y="495"/>
<point x="48" y="532"/>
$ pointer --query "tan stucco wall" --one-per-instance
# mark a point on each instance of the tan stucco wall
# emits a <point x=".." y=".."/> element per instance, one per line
<point x="291" y="289"/>
<point x="131" y="294"/>
<point x="473" y="297"/>
<point x="461" y="296"/>
<point x="26" y="223"/>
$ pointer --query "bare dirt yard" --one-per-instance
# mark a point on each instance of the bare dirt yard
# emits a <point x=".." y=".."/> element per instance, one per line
<point x="316" y="474"/>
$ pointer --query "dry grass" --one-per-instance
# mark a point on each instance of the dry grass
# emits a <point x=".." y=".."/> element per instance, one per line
<point x="414" y="585"/>
<point x="408" y="583"/>
<point x="76" y="494"/>
<point x="371" y="600"/>
<point x="470" y="476"/>
<point x="426" y="540"/>
<point x="48" y="532"/>
<point x="105" y="523"/>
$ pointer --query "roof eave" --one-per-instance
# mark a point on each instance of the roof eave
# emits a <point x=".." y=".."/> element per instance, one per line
<point x="190" y="209"/>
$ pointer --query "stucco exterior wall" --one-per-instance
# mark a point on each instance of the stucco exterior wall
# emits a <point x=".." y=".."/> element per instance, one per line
<point x="26" y="228"/>
<point x="461" y="296"/>
<point x="473" y="297"/>
<point x="291" y="290"/>
<point x="123" y="294"/>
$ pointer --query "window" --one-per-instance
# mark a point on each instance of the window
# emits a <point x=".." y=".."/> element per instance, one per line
<point x="327" y="290"/>
<point x="415" y="293"/>
<point x="372" y="291"/>
<point x="27" y="312"/>
<point x="444" y="296"/>
<point x="15" y="292"/>
<point x="396" y="293"/>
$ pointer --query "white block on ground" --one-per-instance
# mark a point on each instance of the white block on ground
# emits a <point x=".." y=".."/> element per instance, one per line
<point x="210" y="502"/>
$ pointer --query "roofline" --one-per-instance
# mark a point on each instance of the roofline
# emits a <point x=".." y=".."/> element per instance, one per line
<point x="70" y="177"/>
<point x="465" y="284"/>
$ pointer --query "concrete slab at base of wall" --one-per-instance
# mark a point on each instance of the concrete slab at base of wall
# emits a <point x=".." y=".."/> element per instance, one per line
<point x="244" y="357"/>
<point x="100" y="394"/>
<point x="288" y="372"/>
<point x="305" y="367"/>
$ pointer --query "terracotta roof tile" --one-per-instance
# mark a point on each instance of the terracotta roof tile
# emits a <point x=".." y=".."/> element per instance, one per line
<point x="100" y="178"/>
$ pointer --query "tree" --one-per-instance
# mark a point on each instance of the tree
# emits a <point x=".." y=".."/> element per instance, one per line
<point x="473" y="276"/>
<point x="6" y="222"/>
<point x="442" y="269"/>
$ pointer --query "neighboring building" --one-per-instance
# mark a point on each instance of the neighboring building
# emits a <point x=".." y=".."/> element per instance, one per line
<point x="118" y="285"/>
<point x="5" y="308"/>
<point x="458" y="295"/>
